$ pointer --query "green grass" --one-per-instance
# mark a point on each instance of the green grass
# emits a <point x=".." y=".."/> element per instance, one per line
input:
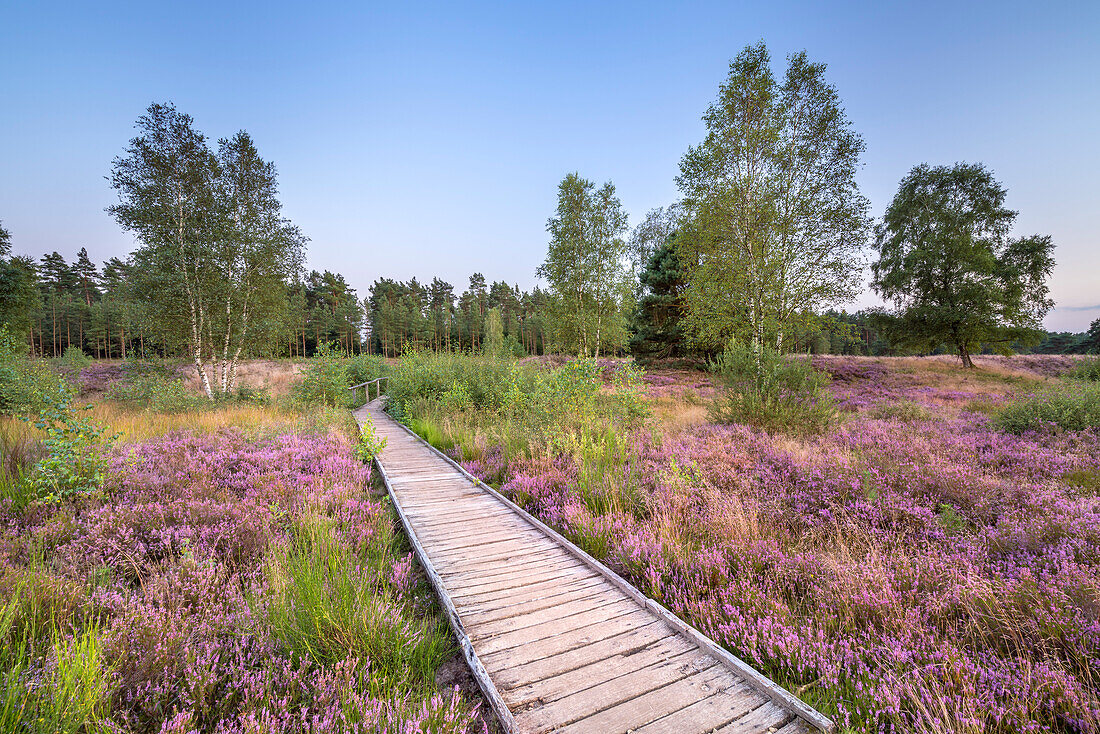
<point x="328" y="604"/>
<point x="50" y="681"/>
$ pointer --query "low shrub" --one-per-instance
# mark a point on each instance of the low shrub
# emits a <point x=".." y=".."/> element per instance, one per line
<point x="1072" y="405"/>
<point x="472" y="381"/>
<point x="324" y="379"/>
<point x="75" y="358"/>
<point x="156" y="391"/>
<point x="770" y="390"/>
<point x="1087" y="369"/>
<point x="75" y="460"/>
<point x="902" y="410"/>
<point x="363" y="367"/>
<point x="26" y="383"/>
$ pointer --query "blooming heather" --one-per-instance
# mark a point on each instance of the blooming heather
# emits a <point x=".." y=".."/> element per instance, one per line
<point x="926" y="574"/>
<point x="173" y="563"/>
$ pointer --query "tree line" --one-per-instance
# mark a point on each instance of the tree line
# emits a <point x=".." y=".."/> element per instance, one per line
<point x="430" y="316"/>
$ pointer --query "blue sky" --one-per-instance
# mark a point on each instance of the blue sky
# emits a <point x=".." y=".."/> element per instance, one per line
<point x="417" y="139"/>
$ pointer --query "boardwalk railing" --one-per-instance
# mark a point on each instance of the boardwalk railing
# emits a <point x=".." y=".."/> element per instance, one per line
<point x="365" y="387"/>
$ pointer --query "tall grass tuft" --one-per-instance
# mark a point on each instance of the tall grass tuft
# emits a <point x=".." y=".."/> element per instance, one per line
<point x="330" y="604"/>
<point x="63" y="685"/>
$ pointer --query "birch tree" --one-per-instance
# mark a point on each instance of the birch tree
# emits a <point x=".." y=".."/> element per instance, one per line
<point x="774" y="222"/>
<point x="585" y="266"/>
<point x="214" y="251"/>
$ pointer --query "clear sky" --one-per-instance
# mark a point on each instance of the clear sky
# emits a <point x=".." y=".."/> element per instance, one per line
<point x="421" y="140"/>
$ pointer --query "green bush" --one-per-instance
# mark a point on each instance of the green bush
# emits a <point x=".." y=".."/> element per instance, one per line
<point x="75" y="460"/>
<point x="156" y="390"/>
<point x="1087" y="369"/>
<point x="74" y="358"/>
<point x="324" y="380"/>
<point x="26" y="384"/>
<point x="473" y="381"/>
<point x="1071" y="405"/>
<point x="363" y="367"/>
<point x="254" y="395"/>
<point x="770" y="390"/>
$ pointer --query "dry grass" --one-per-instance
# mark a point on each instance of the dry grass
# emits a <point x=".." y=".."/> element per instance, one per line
<point x="275" y="375"/>
<point x="139" y="426"/>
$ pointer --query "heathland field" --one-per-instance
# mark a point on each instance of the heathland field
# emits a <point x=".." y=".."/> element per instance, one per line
<point x="923" y="559"/>
<point x="905" y="544"/>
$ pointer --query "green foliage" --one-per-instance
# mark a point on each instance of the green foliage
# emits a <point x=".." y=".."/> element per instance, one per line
<point x="216" y="254"/>
<point x="26" y="384"/>
<point x="153" y="387"/>
<point x="75" y="358"/>
<point x="1087" y="369"/>
<point x="324" y="379"/>
<point x="329" y="603"/>
<point x="19" y="296"/>
<point x="254" y="395"/>
<point x="1069" y="405"/>
<point x="363" y="367"/>
<point x="774" y="220"/>
<point x="470" y="381"/>
<point x="657" y="322"/>
<point x="75" y="460"/>
<point x="370" y="444"/>
<point x="770" y="390"/>
<point x="947" y="263"/>
<point x="584" y="266"/>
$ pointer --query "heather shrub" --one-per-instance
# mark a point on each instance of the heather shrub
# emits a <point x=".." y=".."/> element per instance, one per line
<point x="770" y="390"/>
<point x="1071" y="405"/>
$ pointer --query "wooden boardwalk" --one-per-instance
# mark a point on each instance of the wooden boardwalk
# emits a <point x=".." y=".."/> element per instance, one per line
<point x="557" y="642"/>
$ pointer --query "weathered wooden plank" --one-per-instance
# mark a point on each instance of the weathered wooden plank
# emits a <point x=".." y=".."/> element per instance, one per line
<point x="556" y="715"/>
<point x="550" y="597"/>
<point x="541" y="663"/>
<point x="485" y="628"/>
<point x="655" y="704"/>
<point x="583" y="678"/>
<point x="707" y="714"/>
<point x="555" y="627"/>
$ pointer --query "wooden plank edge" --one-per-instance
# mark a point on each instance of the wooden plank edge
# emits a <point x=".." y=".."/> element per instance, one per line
<point x="778" y="694"/>
<point x="484" y="682"/>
